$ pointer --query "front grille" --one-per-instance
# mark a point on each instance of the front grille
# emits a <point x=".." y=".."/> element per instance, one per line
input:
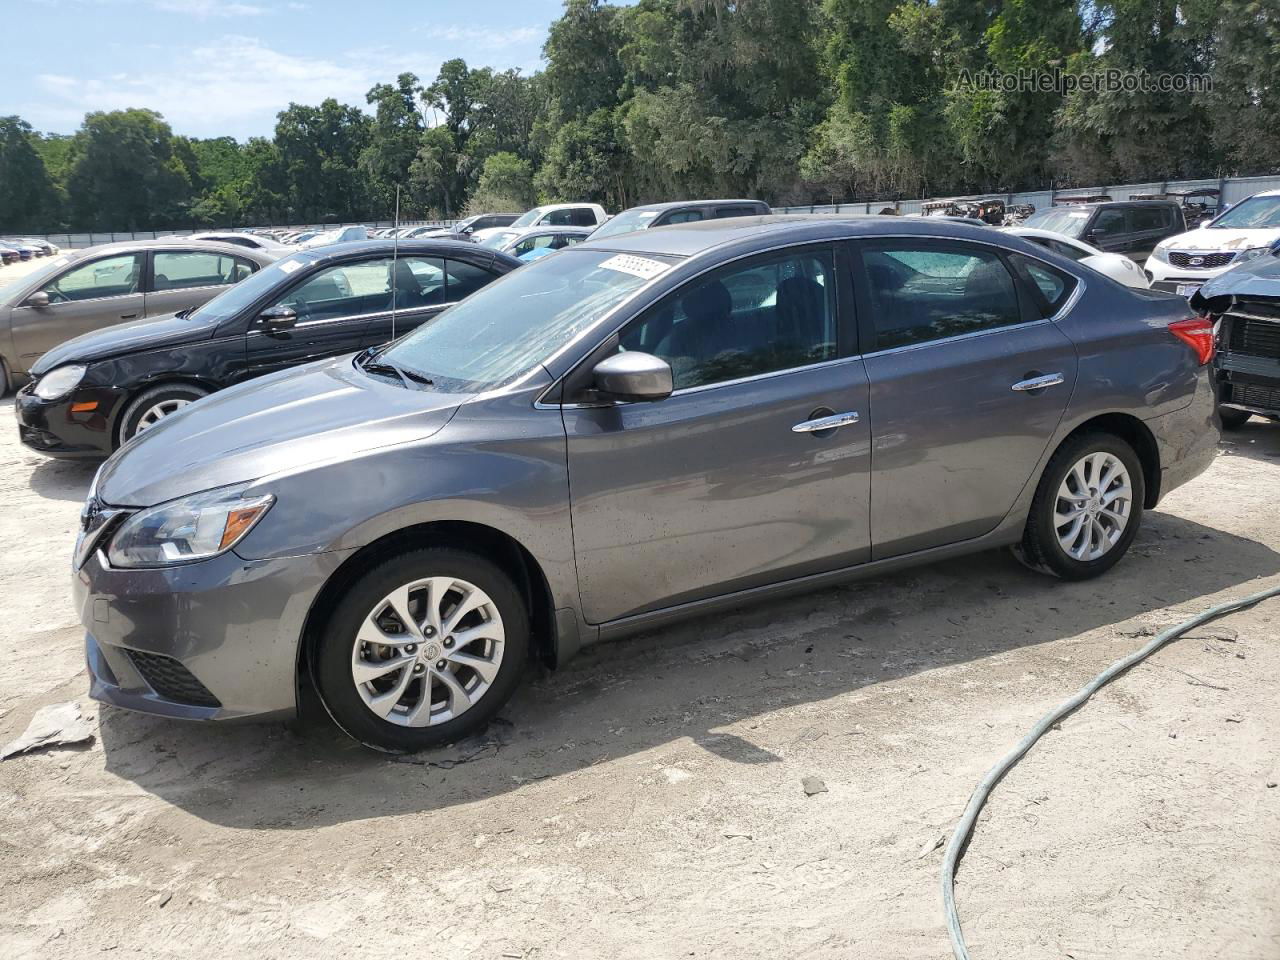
<point x="1254" y="337"/>
<point x="1208" y="261"/>
<point x="169" y="678"/>
<point x="1258" y="395"/>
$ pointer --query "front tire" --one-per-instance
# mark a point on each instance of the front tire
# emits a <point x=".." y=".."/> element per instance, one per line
<point x="423" y="650"/>
<point x="151" y="406"/>
<point x="1086" y="510"/>
<point x="1233" y="419"/>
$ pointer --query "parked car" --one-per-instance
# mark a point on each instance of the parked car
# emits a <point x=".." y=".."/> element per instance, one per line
<point x="239" y="239"/>
<point x="665" y="423"/>
<point x="679" y="211"/>
<point x="337" y="235"/>
<point x="987" y="211"/>
<point x="85" y="290"/>
<point x="1198" y="206"/>
<point x="1245" y="303"/>
<point x="8" y="254"/>
<point x="483" y="221"/>
<point x="1130" y="227"/>
<point x="1245" y="232"/>
<point x="42" y="248"/>
<point x="552" y="215"/>
<point x="98" y="391"/>
<point x="1114" y="265"/>
<point x="1016" y="214"/>
<point x="529" y="243"/>
<point x="26" y="251"/>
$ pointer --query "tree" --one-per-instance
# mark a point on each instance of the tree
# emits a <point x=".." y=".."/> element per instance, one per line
<point x="506" y="185"/>
<point x="393" y="137"/>
<point x="319" y="152"/>
<point x="433" y="173"/>
<point x="126" y="175"/>
<point x="28" y="200"/>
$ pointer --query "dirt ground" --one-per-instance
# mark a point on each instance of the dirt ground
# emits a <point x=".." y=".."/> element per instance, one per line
<point x="646" y="801"/>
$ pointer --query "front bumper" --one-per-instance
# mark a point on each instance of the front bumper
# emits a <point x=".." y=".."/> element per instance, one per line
<point x="54" y="428"/>
<point x="1169" y="277"/>
<point x="213" y="640"/>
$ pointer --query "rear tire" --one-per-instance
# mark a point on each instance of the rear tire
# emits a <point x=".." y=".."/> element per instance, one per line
<point x="151" y="406"/>
<point x="1086" y="510"/>
<point x="1233" y="419"/>
<point x="399" y="687"/>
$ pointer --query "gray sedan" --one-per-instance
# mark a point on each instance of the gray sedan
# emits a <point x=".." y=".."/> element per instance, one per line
<point x="84" y="290"/>
<point x="637" y="429"/>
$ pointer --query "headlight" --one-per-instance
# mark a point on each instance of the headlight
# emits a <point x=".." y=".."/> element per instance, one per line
<point x="1253" y="253"/>
<point x="192" y="528"/>
<point x="58" y="383"/>
<point x="1161" y="254"/>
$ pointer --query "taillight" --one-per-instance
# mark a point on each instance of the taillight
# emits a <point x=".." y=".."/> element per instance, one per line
<point x="1196" y="333"/>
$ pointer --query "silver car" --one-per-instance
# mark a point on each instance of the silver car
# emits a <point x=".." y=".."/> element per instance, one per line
<point x="84" y="290"/>
<point x="632" y="430"/>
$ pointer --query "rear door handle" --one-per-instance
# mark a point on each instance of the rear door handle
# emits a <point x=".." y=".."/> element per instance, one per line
<point x="826" y="423"/>
<point x="128" y="316"/>
<point x="1039" y="383"/>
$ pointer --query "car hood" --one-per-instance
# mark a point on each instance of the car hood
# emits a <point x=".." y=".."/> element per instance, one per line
<point x="164" y="331"/>
<point x="1206" y="239"/>
<point x="282" y="422"/>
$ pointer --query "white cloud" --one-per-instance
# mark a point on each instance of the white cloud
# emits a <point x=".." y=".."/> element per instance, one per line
<point x="477" y="39"/>
<point x="233" y="85"/>
<point x="204" y="9"/>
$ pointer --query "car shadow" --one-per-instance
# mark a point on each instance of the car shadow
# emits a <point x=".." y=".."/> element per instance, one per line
<point x="1258" y="439"/>
<point x="689" y="681"/>
<point x="63" y="479"/>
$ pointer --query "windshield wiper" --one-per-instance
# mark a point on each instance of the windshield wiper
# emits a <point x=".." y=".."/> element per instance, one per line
<point x="183" y="314"/>
<point x="368" y="361"/>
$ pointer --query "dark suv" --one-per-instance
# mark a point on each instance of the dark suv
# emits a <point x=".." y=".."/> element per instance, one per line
<point x="1131" y="227"/>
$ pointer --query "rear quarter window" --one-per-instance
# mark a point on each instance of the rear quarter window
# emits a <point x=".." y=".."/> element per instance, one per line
<point x="1050" y="287"/>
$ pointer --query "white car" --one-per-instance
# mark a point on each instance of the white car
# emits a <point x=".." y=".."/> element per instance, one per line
<point x="241" y="239"/>
<point x="552" y="215"/>
<point x="1114" y="265"/>
<point x="530" y="243"/>
<point x="1240" y="234"/>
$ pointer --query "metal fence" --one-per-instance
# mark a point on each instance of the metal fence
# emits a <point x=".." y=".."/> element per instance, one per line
<point x="77" y="241"/>
<point x="1233" y="190"/>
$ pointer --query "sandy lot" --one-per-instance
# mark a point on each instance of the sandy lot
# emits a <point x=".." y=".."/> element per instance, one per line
<point x="646" y="801"/>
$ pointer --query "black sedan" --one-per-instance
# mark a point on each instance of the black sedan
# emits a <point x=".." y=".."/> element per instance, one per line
<point x="93" y="393"/>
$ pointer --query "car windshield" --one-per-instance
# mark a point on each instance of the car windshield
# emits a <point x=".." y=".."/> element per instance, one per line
<point x="528" y="218"/>
<point x="626" y="222"/>
<point x="1256" y="213"/>
<point x="1069" y="223"/>
<point x="234" y="299"/>
<point x="35" y="279"/>
<point x="516" y="323"/>
<point x="499" y="240"/>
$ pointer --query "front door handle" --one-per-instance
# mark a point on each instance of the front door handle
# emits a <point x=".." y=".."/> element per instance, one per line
<point x="128" y="316"/>
<point x="826" y="423"/>
<point x="1039" y="383"/>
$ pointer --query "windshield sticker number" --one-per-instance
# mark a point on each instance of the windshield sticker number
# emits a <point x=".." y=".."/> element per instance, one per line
<point x="641" y="267"/>
<point x="288" y="266"/>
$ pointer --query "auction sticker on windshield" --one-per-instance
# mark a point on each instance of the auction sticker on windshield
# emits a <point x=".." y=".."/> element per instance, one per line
<point x="641" y="267"/>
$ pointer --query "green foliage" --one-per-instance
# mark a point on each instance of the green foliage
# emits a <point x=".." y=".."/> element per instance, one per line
<point x="787" y="100"/>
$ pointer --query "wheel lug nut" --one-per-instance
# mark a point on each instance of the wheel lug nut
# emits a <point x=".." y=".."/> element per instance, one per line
<point x="439" y="664"/>
<point x="418" y="668"/>
<point x="448" y="641"/>
<point x="411" y="648"/>
<point x="429" y="631"/>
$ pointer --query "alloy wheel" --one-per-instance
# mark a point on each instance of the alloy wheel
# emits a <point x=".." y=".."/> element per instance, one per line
<point x="428" y="651"/>
<point x="1093" y="507"/>
<point x="154" y="414"/>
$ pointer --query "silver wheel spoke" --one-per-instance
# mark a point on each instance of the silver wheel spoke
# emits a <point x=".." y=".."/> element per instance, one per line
<point x="456" y="666"/>
<point x="1093" y="506"/>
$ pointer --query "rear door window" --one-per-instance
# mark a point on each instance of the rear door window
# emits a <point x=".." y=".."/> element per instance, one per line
<point x="739" y="211"/>
<point x="181" y="269"/>
<point x="921" y="291"/>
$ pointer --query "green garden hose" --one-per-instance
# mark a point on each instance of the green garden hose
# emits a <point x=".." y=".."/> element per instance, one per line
<point x="964" y="829"/>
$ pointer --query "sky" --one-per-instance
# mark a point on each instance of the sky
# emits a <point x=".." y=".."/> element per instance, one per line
<point x="227" y="67"/>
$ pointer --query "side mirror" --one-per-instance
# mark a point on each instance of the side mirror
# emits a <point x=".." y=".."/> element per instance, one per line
<point x="633" y="378"/>
<point x="38" y="299"/>
<point x="469" y="231"/>
<point x="274" y="319"/>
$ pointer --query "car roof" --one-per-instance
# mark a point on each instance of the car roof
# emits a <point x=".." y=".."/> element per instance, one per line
<point x="162" y="243"/>
<point x="672" y="204"/>
<point x="769" y="230"/>
<point x="544" y="228"/>
<point x="436" y="246"/>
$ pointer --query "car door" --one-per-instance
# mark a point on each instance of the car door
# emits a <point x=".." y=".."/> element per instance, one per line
<point x="183" y="279"/>
<point x="955" y="346"/>
<point x="85" y="297"/>
<point x="427" y="286"/>
<point x="731" y="482"/>
<point x="333" y="306"/>
<point x="1111" y="230"/>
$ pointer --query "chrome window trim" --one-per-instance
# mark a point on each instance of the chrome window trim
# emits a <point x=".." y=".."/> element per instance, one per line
<point x="542" y="404"/>
<point x="355" y="316"/>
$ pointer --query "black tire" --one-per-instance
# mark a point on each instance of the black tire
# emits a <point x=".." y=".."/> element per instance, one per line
<point x="4" y="378"/>
<point x="332" y="660"/>
<point x="1233" y="419"/>
<point x="1040" y="549"/>
<point x="147" y="399"/>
